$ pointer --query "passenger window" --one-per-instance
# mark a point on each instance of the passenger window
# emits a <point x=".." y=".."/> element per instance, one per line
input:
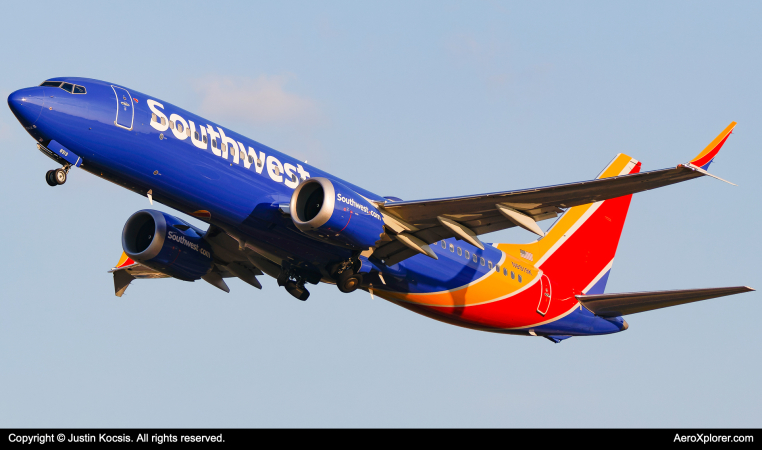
<point x="242" y="155"/>
<point x="172" y="125"/>
<point x="481" y="261"/>
<point x="187" y="132"/>
<point x="214" y="143"/>
<point x="489" y="264"/>
<point x="204" y="139"/>
<point x="163" y="120"/>
<point x="513" y="275"/>
<point x="80" y="90"/>
<point x="505" y="271"/>
<point x="460" y="252"/>
<point x="476" y="258"/>
<point x="180" y="127"/>
<point x="444" y="244"/>
<point x="195" y="135"/>
<point x="468" y="255"/>
<point x="251" y="159"/>
<point x="153" y="117"/>
<point x="519" y="278"/>
<point x="68" y="87"/>
<point x="452" y="248"/>
<point x="497" y="268"/>
<point x="51" y="83"/>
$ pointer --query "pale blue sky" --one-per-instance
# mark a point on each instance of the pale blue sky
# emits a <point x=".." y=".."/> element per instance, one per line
<point x="415" y="100"/>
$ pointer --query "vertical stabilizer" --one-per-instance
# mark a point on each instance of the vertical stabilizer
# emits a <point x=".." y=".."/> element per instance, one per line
<point x="579" y="248"/>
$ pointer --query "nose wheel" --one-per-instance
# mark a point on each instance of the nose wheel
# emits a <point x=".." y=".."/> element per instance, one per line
<point x="57" y="176"/>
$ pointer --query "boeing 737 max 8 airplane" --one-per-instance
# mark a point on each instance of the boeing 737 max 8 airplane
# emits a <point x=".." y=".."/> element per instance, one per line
<point x="269" y="213"/>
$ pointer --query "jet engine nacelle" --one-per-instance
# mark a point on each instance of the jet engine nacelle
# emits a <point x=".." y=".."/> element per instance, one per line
<point x="167" y="244"/>
<point x="334" y="213"/>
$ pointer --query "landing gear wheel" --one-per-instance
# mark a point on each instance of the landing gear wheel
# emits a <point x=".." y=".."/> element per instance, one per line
<point x="50" y="179"/>
<point x="60" y="176"/>
<point x="349" y="281"/>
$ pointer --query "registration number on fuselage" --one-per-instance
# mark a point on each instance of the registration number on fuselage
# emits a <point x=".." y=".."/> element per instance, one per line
<point x="521" y="268"/>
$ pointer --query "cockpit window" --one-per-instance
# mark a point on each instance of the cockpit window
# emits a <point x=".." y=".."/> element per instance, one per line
<point x="68" y="87"/>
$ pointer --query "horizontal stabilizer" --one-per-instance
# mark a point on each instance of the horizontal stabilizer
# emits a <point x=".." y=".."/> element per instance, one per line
<point x="612" y="305"/>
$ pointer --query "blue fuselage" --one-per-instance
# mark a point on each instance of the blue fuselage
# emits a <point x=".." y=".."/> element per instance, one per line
<point x="148" y="145"/>
<point x="188" y="178"/>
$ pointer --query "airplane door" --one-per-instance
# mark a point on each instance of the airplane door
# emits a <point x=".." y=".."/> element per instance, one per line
<point x="124" y="108"/>
<point x="545" y="295"/>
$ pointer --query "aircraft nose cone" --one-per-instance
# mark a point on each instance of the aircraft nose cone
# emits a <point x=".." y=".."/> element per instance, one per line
<point x="26" y="104"/>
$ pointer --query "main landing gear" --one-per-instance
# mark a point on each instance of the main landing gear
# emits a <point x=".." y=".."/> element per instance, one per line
<point x="57" y="176"/>
<point x="349" y="281"/>
<point x="293" y="281"/>
<point x="346" y="279"/>
<point x="297" y="289"/>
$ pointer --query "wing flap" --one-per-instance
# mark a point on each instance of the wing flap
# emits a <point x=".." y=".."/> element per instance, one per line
<point x="613" y="305"/>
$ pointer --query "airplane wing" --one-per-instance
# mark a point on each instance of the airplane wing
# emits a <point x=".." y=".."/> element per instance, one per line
<point x="612" y="305"/>
<point x="242" y="267"/>
<point x="415" y="224"/>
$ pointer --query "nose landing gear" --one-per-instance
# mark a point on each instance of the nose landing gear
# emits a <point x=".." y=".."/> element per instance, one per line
<point x="57" y="176"/>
